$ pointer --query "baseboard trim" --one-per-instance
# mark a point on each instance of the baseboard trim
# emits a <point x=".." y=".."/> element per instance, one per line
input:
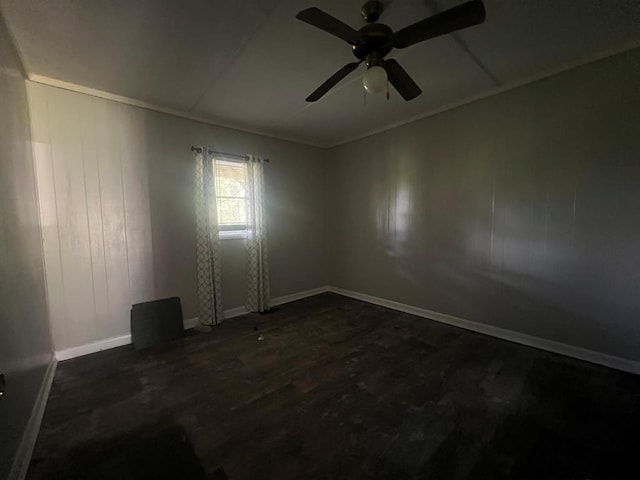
<point x="239" y="311"/>
<point x="235" y="312"/>
<point x="121" y="340"/>
<point x="93" y="347"/>
<point x="579" y="353"/>
<point x="28" y="442"/>
<point x="188" y="323"/>
<point x="298" y="296"/>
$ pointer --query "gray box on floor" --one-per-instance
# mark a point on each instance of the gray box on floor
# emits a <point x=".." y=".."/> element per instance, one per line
<point x="157" y="322"/>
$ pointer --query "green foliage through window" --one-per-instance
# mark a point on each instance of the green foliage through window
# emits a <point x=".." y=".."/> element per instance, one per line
<point x="231" y="194"/>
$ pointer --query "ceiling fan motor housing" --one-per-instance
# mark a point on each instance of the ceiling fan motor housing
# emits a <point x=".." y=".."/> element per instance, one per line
<point x="371" y="10"/>
<point x="375" y="37"/>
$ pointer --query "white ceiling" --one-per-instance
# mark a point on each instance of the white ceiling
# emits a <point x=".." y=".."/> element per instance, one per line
<point x="250" y="64"/>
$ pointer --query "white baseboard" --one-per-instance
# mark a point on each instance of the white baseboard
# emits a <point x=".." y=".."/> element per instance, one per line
<point x="591" y="356"/>
<point x="298" y="296"/>
<point x="611" y="361"/>
<point x="93" y="347"/>
<point x="121" y="340"/>
<point x="238" y="311"/>
<point x="235" y="312"/>
<point x="21" y="462"/>
<point x="188" y="323"/>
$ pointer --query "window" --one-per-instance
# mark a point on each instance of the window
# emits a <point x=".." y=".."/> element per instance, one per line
<point x="231" y="197"/>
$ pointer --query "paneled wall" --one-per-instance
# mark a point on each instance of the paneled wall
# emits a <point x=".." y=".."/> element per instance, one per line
<point x="520" y="211"/>
<point x="25" y="342"/>
<point x="116" y="196"/>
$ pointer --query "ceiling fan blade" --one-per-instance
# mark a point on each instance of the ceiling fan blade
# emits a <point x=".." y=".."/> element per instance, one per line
<point x="332" y="81"/>
<point x="401" y="80"/>
<point x="319" y="19"/>
<point x="456" y="18"/>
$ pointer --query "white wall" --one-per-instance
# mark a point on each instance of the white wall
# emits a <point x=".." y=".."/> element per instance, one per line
<point x="25" y="341"/>
<point x="116" y="193"/>
<point x="520" y="211"/>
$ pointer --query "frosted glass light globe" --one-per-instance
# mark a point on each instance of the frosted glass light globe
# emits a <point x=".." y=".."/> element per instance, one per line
<point x="375" y="80"/>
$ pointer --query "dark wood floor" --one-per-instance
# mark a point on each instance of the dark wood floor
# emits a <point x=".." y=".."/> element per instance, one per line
<point x="340" y="389"/>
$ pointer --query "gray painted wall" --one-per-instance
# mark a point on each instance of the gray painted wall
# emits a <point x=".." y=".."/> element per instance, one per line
<point x="521" y="210"/>
<point x="117" y="201"/>
<point x="25" y="344"/>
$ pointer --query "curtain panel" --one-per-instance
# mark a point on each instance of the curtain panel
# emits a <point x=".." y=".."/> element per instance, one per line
<point x="207" y="240"/>
<point x="259" y="296"/>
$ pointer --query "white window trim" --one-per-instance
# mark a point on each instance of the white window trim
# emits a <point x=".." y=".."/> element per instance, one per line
<point x="232" y="234"/>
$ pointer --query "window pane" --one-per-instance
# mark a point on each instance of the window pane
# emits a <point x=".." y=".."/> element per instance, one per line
<point x="231" y="179"/>
<point x="232" y="211"/>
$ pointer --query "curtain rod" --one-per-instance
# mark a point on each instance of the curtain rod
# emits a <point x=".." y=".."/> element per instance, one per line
<point x="214" y="152"/>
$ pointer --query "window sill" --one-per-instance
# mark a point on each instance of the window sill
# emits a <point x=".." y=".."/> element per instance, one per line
<point x="232" y="234"/>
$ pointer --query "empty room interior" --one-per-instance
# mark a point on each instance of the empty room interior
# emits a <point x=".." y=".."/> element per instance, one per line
<point x="319" y="239"/>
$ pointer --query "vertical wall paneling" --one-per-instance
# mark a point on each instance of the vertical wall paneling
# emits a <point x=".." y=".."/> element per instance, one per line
<point x="116" y="195"/>
<point x="94" y="216"/>
<point x="71" y="208"/>
<point x="113" y="222"/>
<point x="48" y="213"/>
<point x="135" y="184"/>
<point x="526" y="210"/>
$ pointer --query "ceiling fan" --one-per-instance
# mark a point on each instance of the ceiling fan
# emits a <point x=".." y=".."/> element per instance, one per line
<point x="374" y="41"/>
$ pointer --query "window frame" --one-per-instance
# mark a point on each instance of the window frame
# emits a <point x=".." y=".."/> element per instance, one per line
<point x="229" y="231"/>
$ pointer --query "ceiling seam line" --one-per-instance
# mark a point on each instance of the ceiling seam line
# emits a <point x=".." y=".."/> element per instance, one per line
<point x="462" y="44"/>
<point x="13" y="40"/>
<point x="234" y="59"/>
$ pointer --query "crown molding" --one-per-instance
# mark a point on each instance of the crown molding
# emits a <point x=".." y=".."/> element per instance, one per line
<point x="52" y="82"/>
<point x="73" y="87"/>
<point x="495" y="91"/>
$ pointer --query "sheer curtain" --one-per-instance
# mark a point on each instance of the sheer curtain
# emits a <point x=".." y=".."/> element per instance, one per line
<point x="207" y="241"/>
<point x="258" y="279"/>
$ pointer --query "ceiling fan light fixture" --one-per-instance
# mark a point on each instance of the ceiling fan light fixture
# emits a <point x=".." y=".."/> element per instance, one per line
<point x="374" y="80"/>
